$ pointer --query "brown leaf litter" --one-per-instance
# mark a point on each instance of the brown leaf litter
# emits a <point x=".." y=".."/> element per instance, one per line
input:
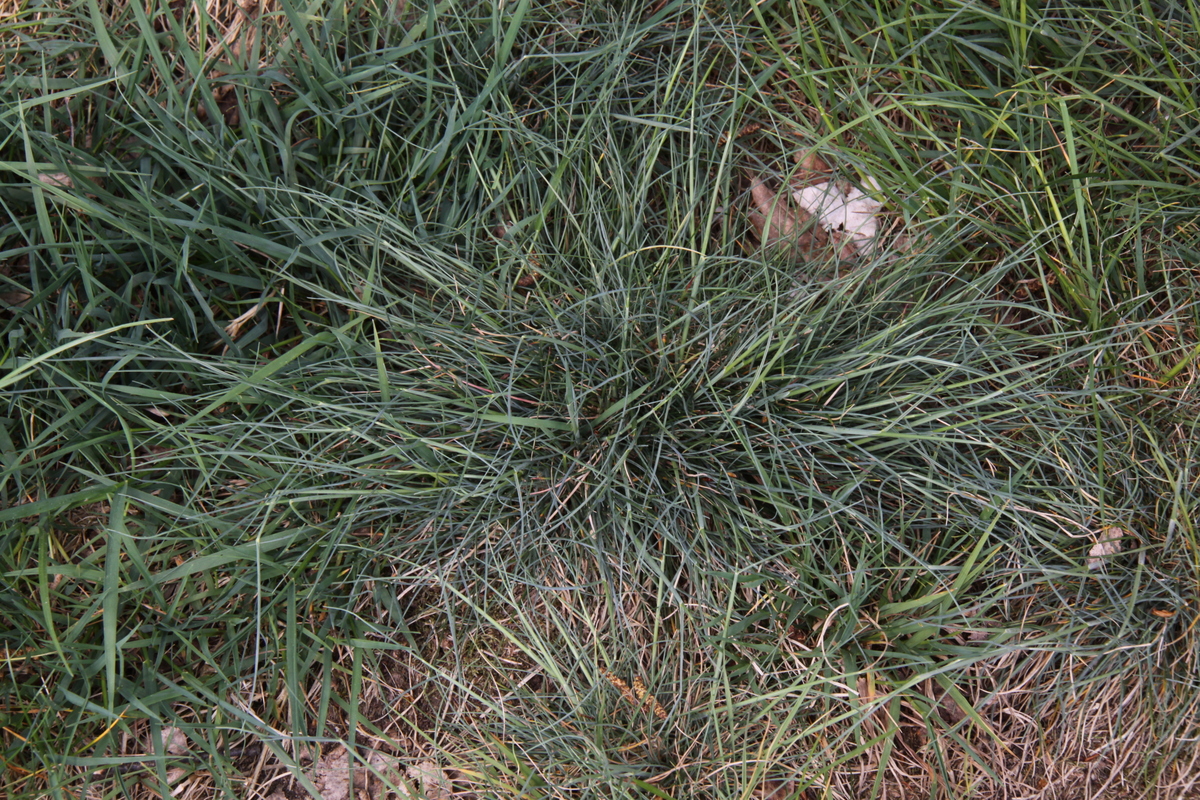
<point x="783" y="227"/>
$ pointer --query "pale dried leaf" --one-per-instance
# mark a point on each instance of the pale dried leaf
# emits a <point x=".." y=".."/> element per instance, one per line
<point x="843" y="209"/>
<point x="331" y="775"/>
<point x="390" y="773"/>
<point x="174" y="741"/>
<point x="1108" y="544"/>
<point x="432" y="778"/>
<point x="60" y="179"/>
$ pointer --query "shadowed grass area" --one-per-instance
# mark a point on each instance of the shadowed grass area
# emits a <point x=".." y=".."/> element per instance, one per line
<point x="409" y="382"/>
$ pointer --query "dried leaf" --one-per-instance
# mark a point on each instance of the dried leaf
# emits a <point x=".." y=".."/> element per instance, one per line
<point x="813" y="163"/>
<point x="174" y="741"/>
<point x="331" y="775"/>
<point x="390" y="773"/>
<point x="812" y="169"/>
<point x="845" y="210"/>
<point x="19" y="299"/>
<point x="434" y="783"/>
<point x="1108" y="544"/>
<point x="772" y="218"/>
<point x="62" y="180"/>
<point x="779" y="224"/>
<point x="59" y="179"/>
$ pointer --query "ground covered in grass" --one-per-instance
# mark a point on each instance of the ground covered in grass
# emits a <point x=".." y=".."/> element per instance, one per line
<point x="421" y="399"/>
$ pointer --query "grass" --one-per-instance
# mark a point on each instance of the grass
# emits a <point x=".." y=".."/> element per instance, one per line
<point x="408" y="380"/>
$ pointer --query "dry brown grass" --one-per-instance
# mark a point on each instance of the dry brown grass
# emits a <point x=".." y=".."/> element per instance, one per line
<point x="17" y="22"/>
<point x="1046" y="728"/>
